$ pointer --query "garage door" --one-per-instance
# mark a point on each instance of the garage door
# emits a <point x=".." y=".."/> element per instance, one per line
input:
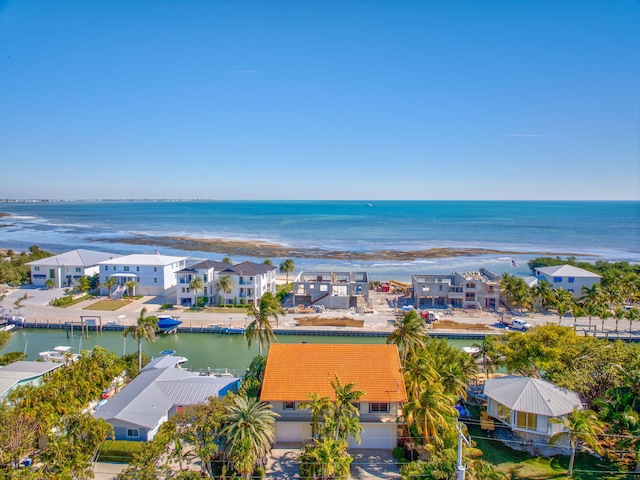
<point x="376" y="436"/>
<point x="292" y="432"/>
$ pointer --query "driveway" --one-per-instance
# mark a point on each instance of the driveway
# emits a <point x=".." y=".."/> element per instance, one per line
<point x="366" y="465"/>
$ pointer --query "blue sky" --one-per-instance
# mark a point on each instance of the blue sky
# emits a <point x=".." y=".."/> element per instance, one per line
<point x="320" y="99"/>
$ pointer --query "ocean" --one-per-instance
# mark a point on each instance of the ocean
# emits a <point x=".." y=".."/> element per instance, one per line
<point x="596" y="230"/>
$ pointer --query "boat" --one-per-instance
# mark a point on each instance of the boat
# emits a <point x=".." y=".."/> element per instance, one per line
<point x="60" y="354"/>
<point x="471" y="350"/>
<point x="181" y="360"/>
<point x="8" y="328"/>
<point x="168" y="324"/>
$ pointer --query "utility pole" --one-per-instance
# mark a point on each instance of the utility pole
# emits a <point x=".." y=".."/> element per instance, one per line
<point x="461" y="468"/>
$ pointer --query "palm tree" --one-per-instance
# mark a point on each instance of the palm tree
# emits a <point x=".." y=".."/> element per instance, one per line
<point x="131" y="287"/>
<point x="326" y="459"/>
<point x="195" y="285"/>
<point x="580" y="427"/>
<point x="619" y="313"/>
<point x="109" y="283"/>
<point x="344" y="409"/>
<point x="145" y="328"/>
<point x="227" y="260"/>
<point x="488" y="354"/>
<point x="318" y="406"/>
<point x="260" y="328"/>
<point x="18" y="303"/>
<point x="268" y="262"/>
<point x="431" y="413"/>
<point x="287" y="266"/>
<point x="409" y="335"/>
<point x="562" y="302"/>
<point x="224" y="284"/>
<point x="633" y="315"/>
<point x="604" y="312"/>
<point x="250" y="427"/>
<point x="417" y="371"/>
<point x="544" y="292"/>
<point x="576" y="311"/>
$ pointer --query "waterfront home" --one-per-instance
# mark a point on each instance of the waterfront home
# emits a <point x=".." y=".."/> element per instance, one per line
<point x="332" y="290"/>
<point x="208" y="271"/>
<point x="526" y="405"/>
<point x="479" y="290"/>
<point x="250" y="281"/>
<point x="22" y="373"/>
<point x="153" y="274"/>
<point x="294" y="371"/>
<point x="66" y="268"/>
<point x="157" y="393"/>
<point x="571" y="278"/>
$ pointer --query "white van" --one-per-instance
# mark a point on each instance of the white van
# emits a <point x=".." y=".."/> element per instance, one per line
<point x="520" y="324"/>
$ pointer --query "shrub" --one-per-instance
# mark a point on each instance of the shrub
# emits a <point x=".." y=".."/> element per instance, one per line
<point x="166" y="306"/>
<point x="398" y="453"/>
<point x="120" y="451"/>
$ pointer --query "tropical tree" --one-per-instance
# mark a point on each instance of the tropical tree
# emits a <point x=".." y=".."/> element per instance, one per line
<point x="576" y="311"/>
<point x="318" y="406"/>
<point x="487" y="353"/>
<point x="580" y="427"/>
<point x="326" y="459"/>
<point x="409" y="334"/>
<point x="287" y="266"/>
<point x="544" y="292"/>
<point x="604" y="312"/>
<point x="223" y="284"/>
<point x="144" y="329"/>
<point x="131" y="287"/>
<point x="49" y="284"/>
<point x="260" y="328"/>
<point x="431" y="413"/>
<point x="227" y="260"/>
<point x="84" y="284"/>
<point x="109" y="283"/>
<point x="633" y="315"/>
<point x="562" y="302"/>
<point x="249" y="429"/>
<point x="267" y="261"/>
<point x="18" y="303"/>
<point x="344" y="410"/>
<point x="196" y="285"/>
<point x="619" y="313"/>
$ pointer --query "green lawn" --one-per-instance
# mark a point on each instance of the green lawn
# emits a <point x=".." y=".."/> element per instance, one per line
<point x="521" y="465"/>
<point x="108" y="305"/>
<point x="76" y="301"/>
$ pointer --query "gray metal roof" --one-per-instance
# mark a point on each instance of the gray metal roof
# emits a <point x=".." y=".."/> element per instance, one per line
<point x="17" y="372"/>
<point x="86" y="258"/>
<point x="248" y="268"/>
<point x="531" y="395"/>
<point x="164" y="361"/>
<point x="150" y="396"/>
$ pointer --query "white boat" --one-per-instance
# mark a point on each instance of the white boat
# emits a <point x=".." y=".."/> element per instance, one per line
<point x="60" y="354"/>
<point x="7" y="328"/>
<point x="471" y="350"/>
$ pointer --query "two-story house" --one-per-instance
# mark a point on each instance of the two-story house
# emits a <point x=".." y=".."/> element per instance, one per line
<point x="479" y="289"/>
<point x="250" y="281"/>
<point x="154" y="274"/>
<point x="294" y="371"/>
<point x="334" y="290"/>
<point x="66" y="268"/>
<point x="208" y="272"/>
<point x="568" y="277"/>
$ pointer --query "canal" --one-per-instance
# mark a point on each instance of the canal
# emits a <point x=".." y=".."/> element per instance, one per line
<point x="203" y="350"/>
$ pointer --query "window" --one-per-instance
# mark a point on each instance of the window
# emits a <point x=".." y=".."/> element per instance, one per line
<point x="570" y="290"/>
<point x="557" y="279"/>
<point x="78" y="269"/>
<point x="527" y="421"/>
<point x="133" y="433"/>
<point x="205" y="278"/>
<point x="155" y="269"/>
<point x="37" y="269"/>
<point x="205" y="290"/>
<point x="504" y="413"/>
<point x="155" y="280"/>
<point x="572" y="279"/>
<point x="126" y="269"/>
<point x="378" y="407"/>
<point x="288" y="405"/>
<point x="106" y="267"/>
<point x="52" y="273"/>
<point x="137" y="269"/>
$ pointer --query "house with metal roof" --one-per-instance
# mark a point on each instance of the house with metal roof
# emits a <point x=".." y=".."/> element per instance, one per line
<point x="157" y="393"/>
<point x="293" y="371"/>
<point x="153" y="274"/>
<point x="568" y="277"/>
<point x="22" y="373"/>
<point x="526" y="405"/>
<point x="66" y="268"/>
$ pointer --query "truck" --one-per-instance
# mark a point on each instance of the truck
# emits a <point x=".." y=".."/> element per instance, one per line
<point x="429" y="316"/>
<point x="516" y="323"/>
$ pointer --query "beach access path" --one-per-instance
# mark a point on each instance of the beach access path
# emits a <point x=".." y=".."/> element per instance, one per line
<point x="36" y="308"/>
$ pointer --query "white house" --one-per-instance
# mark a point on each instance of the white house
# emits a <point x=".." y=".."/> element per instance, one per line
<point x="207" y="271"/>
<point x="293" y="371"/>
<point x="66" y="268"/>
<point x="250" y="281"/>
<point x="157" y="393"/>
<point x="568" y="277"/>
<point x="153" y="274"/>
<point x="527" y="404"/>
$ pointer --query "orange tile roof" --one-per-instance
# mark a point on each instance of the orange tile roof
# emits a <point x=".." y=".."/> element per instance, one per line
<point x="295" y="370"/>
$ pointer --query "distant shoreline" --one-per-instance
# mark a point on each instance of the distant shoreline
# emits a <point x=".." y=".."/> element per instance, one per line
<point x="262" y="249"/>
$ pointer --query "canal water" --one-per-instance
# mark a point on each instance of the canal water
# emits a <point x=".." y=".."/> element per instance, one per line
<point x="203" y="350"/>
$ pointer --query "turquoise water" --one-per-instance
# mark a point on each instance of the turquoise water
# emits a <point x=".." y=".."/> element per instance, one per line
<point x="600" y="230"/>
<point x="202" y="350"/>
